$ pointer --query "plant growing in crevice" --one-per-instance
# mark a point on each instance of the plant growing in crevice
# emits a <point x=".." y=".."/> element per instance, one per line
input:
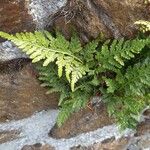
<point x="119" y="69"/>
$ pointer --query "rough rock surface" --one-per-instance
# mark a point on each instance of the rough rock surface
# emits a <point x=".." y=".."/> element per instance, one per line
<point x="142" y="136"/>
<point x="25" y="15"/>
<point x="108" y="144"/>
<point x="38" y="146"/>
<point x="6" y="136"/>
<point x="42" y="10"/>
<point x="83" y="121"/>
<point x="35" y="130"/>
<point x="33" y="135"/>
<point x="90" y="18"/>
<point x="14" y="16"/>
<point x="113" y="18"/>
<point x="21" y="94"/>
<point x="8" y="52"/>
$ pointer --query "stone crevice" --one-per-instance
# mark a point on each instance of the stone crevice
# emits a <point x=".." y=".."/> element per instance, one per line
<point x="105" y="18"/>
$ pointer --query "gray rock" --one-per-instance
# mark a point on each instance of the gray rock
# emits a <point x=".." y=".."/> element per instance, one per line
<point x="140" y="143"/>
<point x="42" y="9"/>
<point x="8" y="51"/>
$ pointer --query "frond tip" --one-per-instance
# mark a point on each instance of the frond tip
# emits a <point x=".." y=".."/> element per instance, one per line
<point x="144" y="25"/>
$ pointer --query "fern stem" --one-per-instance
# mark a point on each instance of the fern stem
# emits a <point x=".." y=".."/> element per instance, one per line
<point x="65" y="53"/>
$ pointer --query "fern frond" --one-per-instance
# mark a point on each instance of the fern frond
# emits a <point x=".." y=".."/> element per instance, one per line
<point x="74" y="102"/>
<point x="42" y="46"/>
<point x="75" y="44"/>
<point x="138" y="78"/>
<point x="89" y="50"/>
<point x="144" y="25"/>
<point x="127" y="93"/>
<point x="134" y="82"/>
<point x="114" y="55"/>
<point x="50" y="80"/>
<point x="120" y="68"/>
<point x="125" y="110"/>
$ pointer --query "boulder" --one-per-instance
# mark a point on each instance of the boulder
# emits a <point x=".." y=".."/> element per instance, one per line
<point x="141" y="140"/>
<point x="90" y="18"/>
<point x="43" y="10"/>
<point x="109" y="144"/>
<point x="32" y="134"/>
<point x="38" y="146"/>
<point x="8" y="52"/>
<point x="114" y="19"/>
<point x="6" y="136"/>
<point x="22" y="16"/>
<point x="25" y="15"/>
<point x="14" y="16"/>
<point x="20" y="91"/>
<point x="21" y="94"/>
<point x="83" y="121"/>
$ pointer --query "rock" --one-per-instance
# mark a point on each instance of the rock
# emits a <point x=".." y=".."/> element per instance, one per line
<point x="38" y="146"/>
<point x="89" y="18"/>
<point x="140" y="143"/>
<point x="20" y="91"/>
<point x="25" y="15"/>
<point x="141" y="140"/>
<point x="35" y="130"/>
<point x="144" y="126"/>
<point x="21" y="94"/>
<point x="81" y="122"/>
<point x="21" y="16"/>
<point x="109" y="144"/>
<point x="14" y="16"/>
<point x="112" y="18"/>
<point x="43" y="10"/>
<point x="8" y="52"/>
<point x="6" y="136"/>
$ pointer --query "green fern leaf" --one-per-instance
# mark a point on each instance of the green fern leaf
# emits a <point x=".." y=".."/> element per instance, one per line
<point x="75" y="44"/>
<point x="144" y="25"/>
<point x="42" y="46"/>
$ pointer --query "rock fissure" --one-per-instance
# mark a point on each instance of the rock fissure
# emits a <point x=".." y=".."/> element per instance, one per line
<point x="104" y="17"/>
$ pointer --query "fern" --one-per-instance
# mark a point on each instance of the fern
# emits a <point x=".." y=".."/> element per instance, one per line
<point x="113" y="55"/>
<point x="48" y="77"/>
<point x="42" y="46"/>
<point x="134" y="81"/>
<point x="128" y="94"/>
<point x="69" y="102"/>
<point x="144" y="25"/>
<point x="127" y="90"/>
<point x="74" y="102"/>
<point x="120" y="69"/>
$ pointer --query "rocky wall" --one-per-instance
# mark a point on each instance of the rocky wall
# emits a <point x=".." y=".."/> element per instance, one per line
<point x="22" y="96"/>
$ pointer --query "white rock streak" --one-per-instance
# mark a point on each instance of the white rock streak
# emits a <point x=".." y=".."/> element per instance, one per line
<point x="35" y="130"/>
<point x="9" y="51"/>
<point x="40" y="10"/>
